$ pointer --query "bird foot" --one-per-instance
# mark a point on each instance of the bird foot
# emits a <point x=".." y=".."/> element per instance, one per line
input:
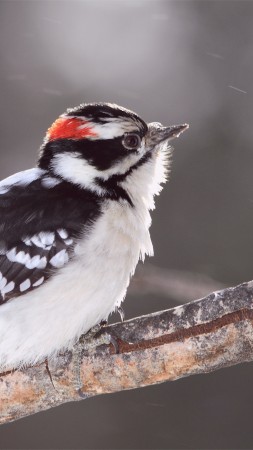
<point x="95" y="337"/>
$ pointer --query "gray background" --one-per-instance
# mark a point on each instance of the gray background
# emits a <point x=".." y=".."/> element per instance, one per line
<point x="171" y="62"/>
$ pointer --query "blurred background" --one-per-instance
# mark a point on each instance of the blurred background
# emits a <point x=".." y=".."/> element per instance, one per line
<point x="172" y="62"/>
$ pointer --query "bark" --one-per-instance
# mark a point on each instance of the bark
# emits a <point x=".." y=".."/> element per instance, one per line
<point x="197" y="337"/>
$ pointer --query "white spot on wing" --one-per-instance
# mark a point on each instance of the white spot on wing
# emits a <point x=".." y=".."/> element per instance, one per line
<point x="36" y="261"/>
<point x="63" y="233"/>
<point x="38" y="282"/>
<point x="22" y="257"/>
<point x="26" y="260"/>
<point x="9" y="287"/>
<point x="27" y="242"/>
<point x="59" y="259"/>
<point x="3" y="281"/>
<point x="43" y="240"/>
<point x="37" y="241"/>
<point x="47" y="238"/>
<point x="69" y="241"/>
<point x="42" y="263"/>
<point x="11" y="255"/>
<point x="25" y="285"/>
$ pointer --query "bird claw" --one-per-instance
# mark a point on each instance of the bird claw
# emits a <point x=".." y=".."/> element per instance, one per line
<point x="49" y="372"/>
<point x="121" y="312"/>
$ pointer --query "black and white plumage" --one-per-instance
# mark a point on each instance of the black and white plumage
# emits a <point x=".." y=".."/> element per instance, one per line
<point x="40" y="219"/>
<point x="73" y="229"/>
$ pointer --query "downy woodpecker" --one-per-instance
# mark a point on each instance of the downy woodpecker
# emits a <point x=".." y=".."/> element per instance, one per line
<point x="73" y="229"/>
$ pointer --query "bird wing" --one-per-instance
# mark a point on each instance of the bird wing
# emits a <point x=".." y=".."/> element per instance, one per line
<point x="32" y="261"/>
<point x="41" y="219"/>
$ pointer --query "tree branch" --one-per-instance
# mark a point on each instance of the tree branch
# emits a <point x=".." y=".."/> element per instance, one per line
<point x="197" y="337"/>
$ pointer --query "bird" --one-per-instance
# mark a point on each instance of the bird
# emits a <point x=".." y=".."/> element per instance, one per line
<point x="73" y="228"/>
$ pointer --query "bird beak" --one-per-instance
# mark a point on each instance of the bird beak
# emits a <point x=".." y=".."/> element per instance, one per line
<point x="157" y="133"/>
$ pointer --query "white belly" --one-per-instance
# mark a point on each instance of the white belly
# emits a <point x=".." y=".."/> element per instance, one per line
<point x="81" y="294"/>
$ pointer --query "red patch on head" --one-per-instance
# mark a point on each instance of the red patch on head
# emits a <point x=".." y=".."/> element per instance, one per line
<point x="70" y="128"/>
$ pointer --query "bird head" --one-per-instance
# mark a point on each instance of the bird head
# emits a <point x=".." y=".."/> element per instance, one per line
<point x="93" y="143"/>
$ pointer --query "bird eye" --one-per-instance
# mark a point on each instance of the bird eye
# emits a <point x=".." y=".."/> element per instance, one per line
<point x="131" y="141"/>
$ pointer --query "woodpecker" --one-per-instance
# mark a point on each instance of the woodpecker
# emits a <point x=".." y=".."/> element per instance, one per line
<point x="73" y="228"/>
